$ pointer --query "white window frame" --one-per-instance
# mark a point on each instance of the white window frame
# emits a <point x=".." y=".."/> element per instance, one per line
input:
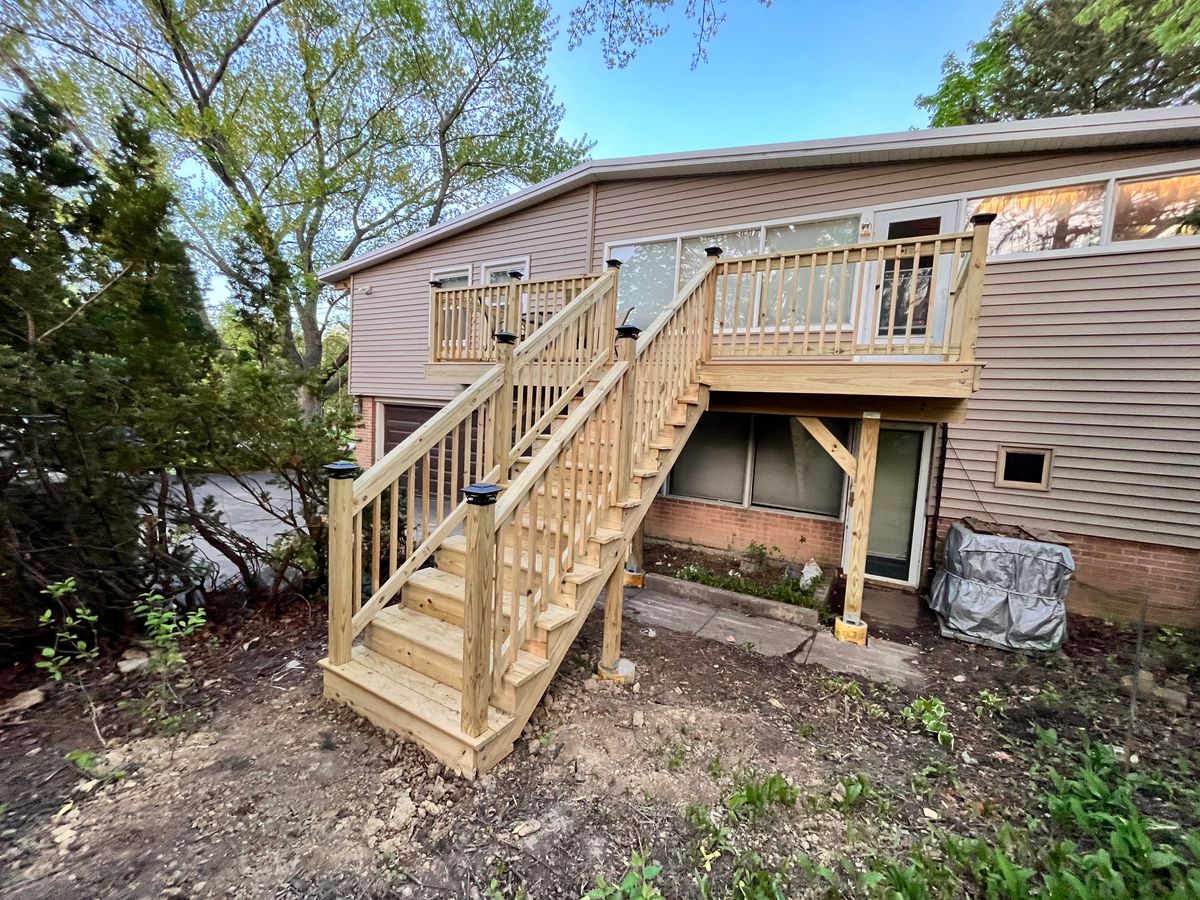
<point x="507" y="265"/>
<point x="1002" y="452"/>
<point x="748" y="483"/>
<point x="453" y="271"/>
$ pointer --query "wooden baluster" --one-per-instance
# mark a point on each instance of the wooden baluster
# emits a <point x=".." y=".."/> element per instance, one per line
<point x="808" y="300"/>
<point x="376" y="539"/>
<point x="358" y="563"/>
<point x="395" y="535"/>
<point x="795" y="293"/>
<point x="843" y="283"/>
<point x="952" y="313"/>
<point x="912" y="295"/>
<point x="876" y="301"/>
<point x="779" y="306"/>
<point x="894" y="299"/>
<point x="931" y="305"/>
<point x="410" y="511"/>
<point x="723" y="276"/>
<point x="478" y="608"/>
<point x="341" y="559"/>
<point x="972" y="298"/>
<point x="824" y="320"/>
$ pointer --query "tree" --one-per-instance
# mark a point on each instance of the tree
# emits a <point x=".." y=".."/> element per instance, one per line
<point x="1043" y="58"/>
<point x="1177" y="24"/>
<point x="625" y="26"/>
<point x="101" y="333"/>
<point x="309" y="130"/>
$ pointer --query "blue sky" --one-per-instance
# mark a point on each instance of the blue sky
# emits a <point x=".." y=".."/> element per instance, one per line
<point x="800" y="69"/>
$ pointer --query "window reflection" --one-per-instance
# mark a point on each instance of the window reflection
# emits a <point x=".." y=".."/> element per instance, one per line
<point x="1049" y="219"/>
<point x="1157" y="208"/>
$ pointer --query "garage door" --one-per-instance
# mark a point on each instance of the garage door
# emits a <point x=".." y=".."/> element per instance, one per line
<point x="400" y="421"/>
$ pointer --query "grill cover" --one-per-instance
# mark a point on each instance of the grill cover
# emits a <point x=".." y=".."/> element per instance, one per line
<point x="1006" y="592"/>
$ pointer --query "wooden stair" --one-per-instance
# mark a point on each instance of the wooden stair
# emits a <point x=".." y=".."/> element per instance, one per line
<point x="409" y="672"/>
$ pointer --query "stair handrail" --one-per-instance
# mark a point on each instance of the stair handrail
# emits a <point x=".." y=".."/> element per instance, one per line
<point x="377" y="515"/>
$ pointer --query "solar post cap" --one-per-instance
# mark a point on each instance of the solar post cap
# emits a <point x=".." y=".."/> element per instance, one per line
<point x="628" y="331"/>
<point x="613" y="263"/>
<point x="343" y="468"/>
<point x="712" y="251"/>
<point x="481" y="494"/>
<point x="983" y="218"/>
<point x="505" y="337"/>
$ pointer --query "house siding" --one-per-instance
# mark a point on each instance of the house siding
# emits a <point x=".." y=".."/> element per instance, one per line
<point x="1096" y="356"/>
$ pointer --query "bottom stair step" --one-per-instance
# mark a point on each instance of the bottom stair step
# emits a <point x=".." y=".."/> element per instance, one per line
<point x="401" y="699"/>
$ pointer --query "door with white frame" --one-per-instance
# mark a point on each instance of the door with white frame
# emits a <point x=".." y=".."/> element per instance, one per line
<point x="918" y="286"/>
<point x="896" y="538"/>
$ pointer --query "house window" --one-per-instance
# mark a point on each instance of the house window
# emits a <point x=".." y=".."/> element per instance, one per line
<point x="1151" y="208"/>
<point x="452" y="279"/>
<point x="506" y="270"/>
<point x="647" y="279"/>
<point x="763" y="461"/>
<point x="1027" y="468"/>
<point x="1049" y="219"/>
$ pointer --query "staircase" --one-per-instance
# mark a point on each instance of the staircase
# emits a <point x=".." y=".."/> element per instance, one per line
<point x="469" y="557"/>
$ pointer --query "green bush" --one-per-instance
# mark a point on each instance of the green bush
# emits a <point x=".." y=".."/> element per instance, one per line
<point x="785" y="590"/>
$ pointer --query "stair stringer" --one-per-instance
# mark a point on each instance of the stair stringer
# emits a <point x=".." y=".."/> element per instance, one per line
<point x="613" y="554"/>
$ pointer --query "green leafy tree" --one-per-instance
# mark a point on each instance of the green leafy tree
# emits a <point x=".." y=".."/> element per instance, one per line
<point x="101" y="334"/>
<point x="1176" y="27"/>
<point x="1051" y="57"/>
<point x="303" y="132"/>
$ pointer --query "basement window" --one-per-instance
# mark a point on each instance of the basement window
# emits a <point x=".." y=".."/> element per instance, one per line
<point x="1026" y="468"/>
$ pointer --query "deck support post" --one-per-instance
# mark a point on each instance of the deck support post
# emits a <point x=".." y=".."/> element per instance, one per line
<point x="512" y="308"/>
<point x="710" y="304"/>
<point x="478" y="615"/>
<point x="341" y="559"/>
<point x="972" y="292"/>
<point x="502" y="423"/>
<point x="612" y="666"/>
<point x="850" y="626"/>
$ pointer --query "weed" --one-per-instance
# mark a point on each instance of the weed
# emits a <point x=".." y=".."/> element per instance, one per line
<point x="496" y="889"/>
<point x="161" y="708"/>
<point x="89" y="765"/>
<point x="754" y="796"/>
<point x="1050" y="698"/>
<point x="675" y="759"/>
<point x="854" y="788"/>
<point x="752" y="880"/>
<point x="989" y="704"/>
<point x="637" y="883"/>
<point x="930" y="712"/>
<point x="846" y="687"/>
<point x="74" y="635"/>
<point x="715" y="767"/>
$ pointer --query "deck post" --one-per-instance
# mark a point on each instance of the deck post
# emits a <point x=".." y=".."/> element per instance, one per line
<point x="512" y="312"/>
<point x="502" y="423"/>
<point x="478" y="616"/>
<point x="981" y="224"/>
<point x="341" y="559"/>
<point x="435" y="323"/>
<point x="850" y="626"/>
<point x="710" y="304"/>
<point x="627" y="336"/>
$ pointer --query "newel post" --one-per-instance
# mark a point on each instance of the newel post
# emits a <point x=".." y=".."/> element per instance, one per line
<point x="435" y="323"/>
<point x="981" y="223"/>
<point x="341" y="559"/>
<point x="512" y="313"/>
<point x="710" y="305"/>
<point x="478" y="624"/>
<point x="614" y="266"/>
<point x="502" y="424"/>
<point x="612" y="666"/>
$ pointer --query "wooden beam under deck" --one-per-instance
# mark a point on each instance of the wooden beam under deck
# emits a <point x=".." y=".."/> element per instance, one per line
<point x="880" y="379"/>
<point x="826" y="406"/>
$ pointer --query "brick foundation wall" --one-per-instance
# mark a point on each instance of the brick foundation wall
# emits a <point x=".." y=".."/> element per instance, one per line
<point x="364" y="433"/>
<point x="723" y="527"/>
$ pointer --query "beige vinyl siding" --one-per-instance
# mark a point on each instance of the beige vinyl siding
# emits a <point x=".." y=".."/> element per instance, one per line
<point x="1097" y="357"/>
<point x="390" y="325"/>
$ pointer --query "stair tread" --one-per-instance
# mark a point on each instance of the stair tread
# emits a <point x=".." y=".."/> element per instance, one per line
<point x="438" y="704"/>
<point x="449" y="584"/>
<point x="447" y="639"/>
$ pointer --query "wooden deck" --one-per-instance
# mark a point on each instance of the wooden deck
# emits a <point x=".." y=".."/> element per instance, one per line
<point x="468" y="557"/>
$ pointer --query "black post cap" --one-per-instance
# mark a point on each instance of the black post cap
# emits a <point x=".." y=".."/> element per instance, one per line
<point x="343" y="468"/>
<point x="983" y="218"/>
<point x="712" y="251"/>
<point x="613" y="263"/>
<point x="516" y="274"/>
<point x="505" y="337"/>
<point x="482" y="494"/>
<point x="435" y="283"/>
<point x="628" y="331"/>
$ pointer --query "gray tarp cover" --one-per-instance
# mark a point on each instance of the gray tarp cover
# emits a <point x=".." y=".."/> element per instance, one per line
<point x="1002" y="591"/>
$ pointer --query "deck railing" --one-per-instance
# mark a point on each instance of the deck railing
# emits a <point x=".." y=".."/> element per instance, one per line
<point x="463" y="320"/>
<point x="387" y="523"/>
<point x="888" y="298"/>
<point x="913" y="298"/>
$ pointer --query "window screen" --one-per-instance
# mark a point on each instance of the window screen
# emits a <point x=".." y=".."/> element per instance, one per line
<point x="712" y="465"/>
<point x="792" y="471"/>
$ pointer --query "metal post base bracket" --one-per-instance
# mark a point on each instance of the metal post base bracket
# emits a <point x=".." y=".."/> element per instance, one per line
<point x="635" y="579"/>
<point x="624" y="672"/>
<point x="850" y="632"/>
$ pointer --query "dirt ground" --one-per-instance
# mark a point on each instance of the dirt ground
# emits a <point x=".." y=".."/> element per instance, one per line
<point x="280" y="794"/>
